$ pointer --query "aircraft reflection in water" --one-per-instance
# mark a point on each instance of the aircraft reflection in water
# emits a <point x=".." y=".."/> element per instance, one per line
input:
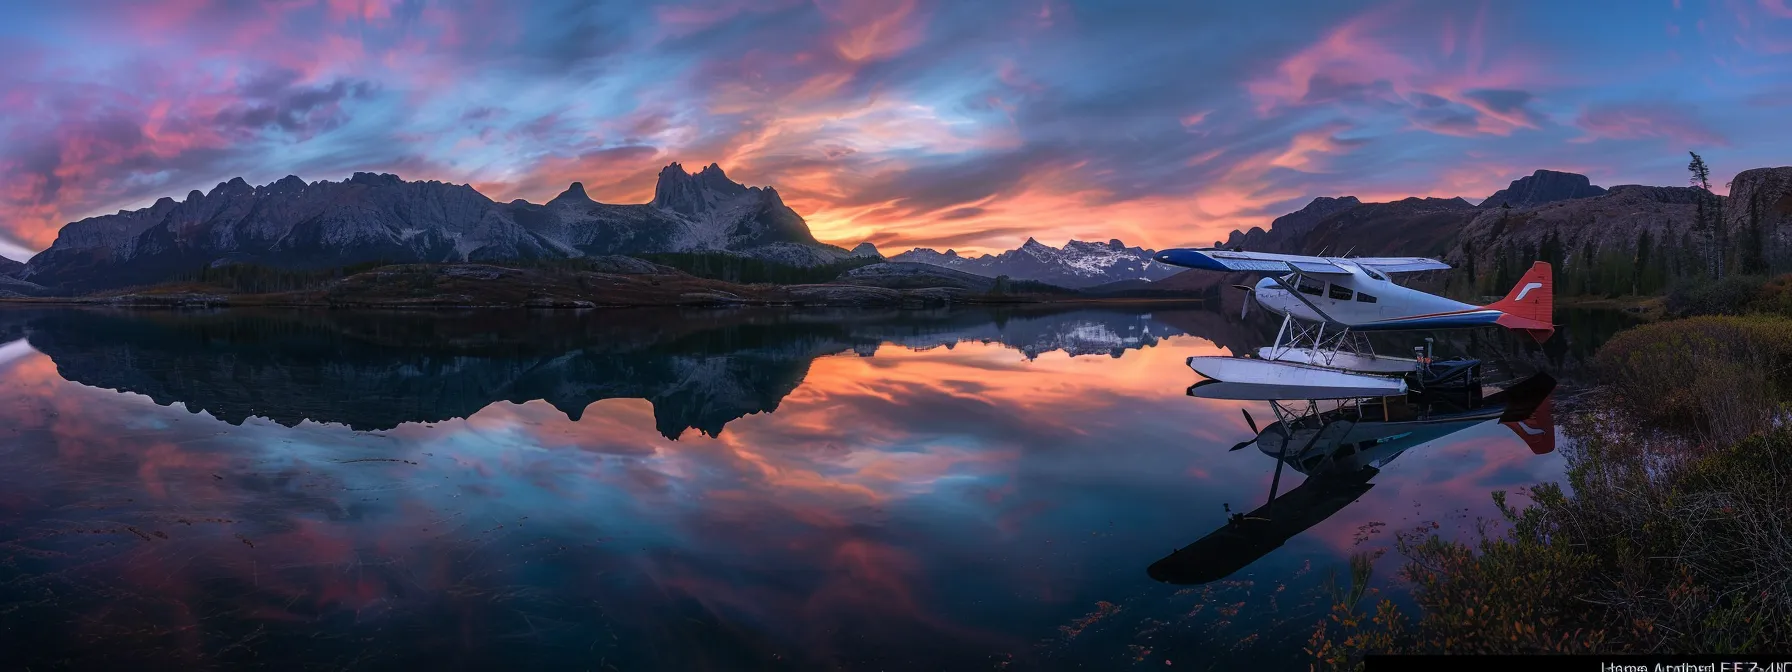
<point x="1340" y="450"/>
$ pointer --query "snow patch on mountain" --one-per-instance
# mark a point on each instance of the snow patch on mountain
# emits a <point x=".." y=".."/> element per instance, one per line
<point x="1077" y="264"/>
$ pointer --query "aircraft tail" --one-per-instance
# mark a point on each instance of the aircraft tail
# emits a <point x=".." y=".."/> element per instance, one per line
<point x="1530" y="306"/>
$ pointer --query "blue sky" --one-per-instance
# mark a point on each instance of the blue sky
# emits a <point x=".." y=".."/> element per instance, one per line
<point x="902" y="122"/>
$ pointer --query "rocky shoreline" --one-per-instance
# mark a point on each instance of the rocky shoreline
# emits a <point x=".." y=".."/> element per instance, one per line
<point x="472" y="286"/>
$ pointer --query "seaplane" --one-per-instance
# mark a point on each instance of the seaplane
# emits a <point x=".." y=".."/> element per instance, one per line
<point x="1340" y="450"/>
<point x="1329" y="305"/>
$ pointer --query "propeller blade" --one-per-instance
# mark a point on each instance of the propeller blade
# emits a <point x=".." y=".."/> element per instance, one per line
<point x="1241" y="445"/>
<point x="1250" y="296"/>
<point x="1249" y="421"/>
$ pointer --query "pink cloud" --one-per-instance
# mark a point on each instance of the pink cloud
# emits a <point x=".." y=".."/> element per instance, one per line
<point x="364" y="10"/>
<point x="1646" y="121"/>
<point x="1455" y="91"/>
<point x="1191" y="121"/>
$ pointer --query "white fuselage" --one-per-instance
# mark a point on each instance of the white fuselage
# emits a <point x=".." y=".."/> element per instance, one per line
<point x="1358" y="298"/>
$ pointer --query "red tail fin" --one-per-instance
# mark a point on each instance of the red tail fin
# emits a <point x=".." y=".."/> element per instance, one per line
<point x="1538" y="430"/>
<point x="1530" y="306"/>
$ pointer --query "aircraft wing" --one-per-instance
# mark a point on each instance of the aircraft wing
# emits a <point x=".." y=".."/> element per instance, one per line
<point x="1253" y="262"/>
<point x="1401" y="264"/>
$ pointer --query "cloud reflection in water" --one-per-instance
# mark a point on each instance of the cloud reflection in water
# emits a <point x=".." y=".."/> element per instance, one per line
<point x="922" y="506"/>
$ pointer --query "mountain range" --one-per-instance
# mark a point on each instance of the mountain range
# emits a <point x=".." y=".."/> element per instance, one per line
<point x="1076" y="265"/>
<point x="1584" y="228"/>
<point x="378" y="217"/>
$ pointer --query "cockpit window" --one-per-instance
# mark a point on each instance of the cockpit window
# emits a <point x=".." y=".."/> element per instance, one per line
<point x="1311" y="286"/>
<point x="1365" y="298"/>
<point x="1371" y="272"/>
<point x="1340" y="293"/>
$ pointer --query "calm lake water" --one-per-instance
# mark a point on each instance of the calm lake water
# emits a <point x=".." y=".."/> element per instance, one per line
<point x="659" y="490"/>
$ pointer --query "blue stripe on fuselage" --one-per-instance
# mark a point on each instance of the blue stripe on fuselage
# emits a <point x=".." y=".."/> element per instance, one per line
<point x="1479" y="318"/>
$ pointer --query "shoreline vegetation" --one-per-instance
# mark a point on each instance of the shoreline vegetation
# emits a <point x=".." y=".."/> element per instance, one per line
<point x="664" y="280"/>
<point x="1668" y="533"/>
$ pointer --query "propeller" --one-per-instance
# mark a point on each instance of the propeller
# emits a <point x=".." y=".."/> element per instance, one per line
<point x="1250" y="297"/>
<point x="1254" y="431"/>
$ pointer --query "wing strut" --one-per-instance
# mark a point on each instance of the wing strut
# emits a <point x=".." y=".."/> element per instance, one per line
<point x="1303" y="299"/>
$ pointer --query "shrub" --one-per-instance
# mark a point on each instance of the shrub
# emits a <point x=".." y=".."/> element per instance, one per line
<point x="1688" y="557"/>
<point x="1775" y="296"/>
<point x="1733" y="295"/>
<point x="1722" y="377"/>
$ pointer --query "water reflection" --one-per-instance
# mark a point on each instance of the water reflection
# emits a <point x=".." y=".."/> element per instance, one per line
<point x="1339" y="449"/>
<point x="353" y="490"/>
<point x="698" y="369"/>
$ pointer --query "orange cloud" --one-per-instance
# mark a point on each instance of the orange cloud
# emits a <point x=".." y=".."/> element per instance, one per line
<point x="1061" y="199"/>
<point x="873" y="29"/>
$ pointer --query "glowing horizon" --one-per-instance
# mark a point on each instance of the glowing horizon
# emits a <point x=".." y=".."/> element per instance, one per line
<point x="970" y="126"/>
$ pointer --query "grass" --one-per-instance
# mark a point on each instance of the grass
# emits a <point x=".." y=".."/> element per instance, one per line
<point x="1671" y="535"/>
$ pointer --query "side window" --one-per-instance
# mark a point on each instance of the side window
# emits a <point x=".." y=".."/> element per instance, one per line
<point x="1311" y="286"/>
<point x="1365" y="298"/>
<point x="1340" y="292"/>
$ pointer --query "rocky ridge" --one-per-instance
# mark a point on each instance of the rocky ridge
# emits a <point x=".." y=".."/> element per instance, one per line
<point x="1543" y="186"/>
<point x="379" y="217"/>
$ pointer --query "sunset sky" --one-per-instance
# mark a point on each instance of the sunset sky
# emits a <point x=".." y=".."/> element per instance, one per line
<point x="903" y="122"/>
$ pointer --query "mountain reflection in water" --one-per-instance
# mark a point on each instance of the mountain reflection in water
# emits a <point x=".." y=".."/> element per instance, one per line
<point x="865" y="490"/>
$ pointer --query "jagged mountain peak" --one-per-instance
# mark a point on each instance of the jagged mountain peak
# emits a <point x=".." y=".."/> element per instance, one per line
<point x="866" y="249"/>
<point x="575" y="192"/>
<point x="684" y="193"/>
<point x="284" y="185"/>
